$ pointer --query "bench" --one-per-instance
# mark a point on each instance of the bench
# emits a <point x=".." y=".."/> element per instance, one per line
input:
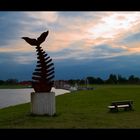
<point x="126" y="104"/>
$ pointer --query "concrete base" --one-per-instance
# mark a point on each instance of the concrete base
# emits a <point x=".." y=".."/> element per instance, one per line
<point x="43" y="103"/>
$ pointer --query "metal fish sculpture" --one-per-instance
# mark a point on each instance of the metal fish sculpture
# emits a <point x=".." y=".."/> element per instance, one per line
<point x="44" y="72"/>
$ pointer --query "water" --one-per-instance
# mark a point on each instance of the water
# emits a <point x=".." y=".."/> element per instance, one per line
<point x="10" y="97"/>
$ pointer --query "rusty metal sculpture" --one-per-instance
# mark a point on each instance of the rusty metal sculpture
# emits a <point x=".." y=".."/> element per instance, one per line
<point x="44" y="73"/>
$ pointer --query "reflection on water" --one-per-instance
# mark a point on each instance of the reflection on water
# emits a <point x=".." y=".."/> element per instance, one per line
<point x="10" y="97"/>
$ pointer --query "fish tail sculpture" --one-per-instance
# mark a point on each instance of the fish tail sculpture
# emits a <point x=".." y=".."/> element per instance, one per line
<point x="44" y="72"/>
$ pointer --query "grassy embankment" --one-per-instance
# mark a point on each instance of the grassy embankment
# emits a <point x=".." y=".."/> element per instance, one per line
<point x="81" y="109"/>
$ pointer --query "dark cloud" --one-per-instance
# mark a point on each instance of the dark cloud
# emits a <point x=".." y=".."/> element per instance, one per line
<point x="93" y="63"/>
<point x="11" y="25"/>
<point x="10" y="66"/>
<point x="71" y="14"/>
<point x="102" y="51"/>
<point x="72" y="68"/>
<point x="16" y="57"/>
<point x="135" y="37"/>
<point x="65" y="52"/>
<point x="14" y="70"/>
<point x="82" y="14"/>
<point x="107" y="49"/>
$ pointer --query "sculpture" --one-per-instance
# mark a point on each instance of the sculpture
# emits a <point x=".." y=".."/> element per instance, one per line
<point x="44" y="73"/>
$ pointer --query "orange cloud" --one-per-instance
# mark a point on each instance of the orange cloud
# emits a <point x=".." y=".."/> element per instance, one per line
<point x="134" y="47"/>
<point x="99" y="28"/>
<point x="43" y="16"/>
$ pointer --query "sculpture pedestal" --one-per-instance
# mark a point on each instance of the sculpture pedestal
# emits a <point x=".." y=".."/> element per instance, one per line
<point x="43" y="103"/>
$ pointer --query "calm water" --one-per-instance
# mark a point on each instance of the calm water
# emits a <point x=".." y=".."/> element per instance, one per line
<point x="10" y="97"/>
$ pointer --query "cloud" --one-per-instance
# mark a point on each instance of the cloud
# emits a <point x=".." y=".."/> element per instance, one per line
<point x="75" y="36"/>
<point x="48" y="17"/>
<point x="131" y="38"/>
<point x="10" y="27"/>
<point x="107" y="49"/>
<point x="19" y="58"/>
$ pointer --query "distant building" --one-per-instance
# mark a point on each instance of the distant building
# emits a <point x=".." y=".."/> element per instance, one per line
<point x="26" y="83"/>
<point x="61" y="84"/>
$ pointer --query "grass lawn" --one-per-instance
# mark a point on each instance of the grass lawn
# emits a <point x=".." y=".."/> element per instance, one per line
<point x="81" y="109"/>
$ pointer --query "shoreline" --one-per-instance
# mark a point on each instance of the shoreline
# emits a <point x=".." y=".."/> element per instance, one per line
<point x="11" y="97"/>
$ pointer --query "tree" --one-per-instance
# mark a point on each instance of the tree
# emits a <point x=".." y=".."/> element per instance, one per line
<point x="122" y="80"/>
<point x="11" y="81"/>
<point x="2" y="82"/>
<point x="112" y="79"/>
<point x="99" y="81"/>
<point x="133" y="80"/>
<point x="91" y="80"/>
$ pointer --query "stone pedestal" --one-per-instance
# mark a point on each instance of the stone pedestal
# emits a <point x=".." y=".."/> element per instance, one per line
<point x="43" y="103"/>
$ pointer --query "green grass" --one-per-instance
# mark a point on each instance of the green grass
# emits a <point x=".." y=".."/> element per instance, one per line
<point x="82" y="109"/>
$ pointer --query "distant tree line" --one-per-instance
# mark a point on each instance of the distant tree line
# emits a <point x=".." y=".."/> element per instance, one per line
<point x="14" y="82"/>
<point x="9" y="82"/>
<point x="112" y="79"/>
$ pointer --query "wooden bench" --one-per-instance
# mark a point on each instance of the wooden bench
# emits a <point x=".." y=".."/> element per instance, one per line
<point x="126" y="104"/>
